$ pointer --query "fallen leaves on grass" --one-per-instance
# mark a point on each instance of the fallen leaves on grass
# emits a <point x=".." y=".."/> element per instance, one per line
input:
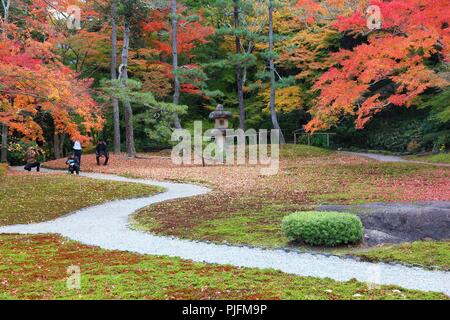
<point x="258" y="203"/>
<point x="31" y="198"/>
<point x="35" y="267"/>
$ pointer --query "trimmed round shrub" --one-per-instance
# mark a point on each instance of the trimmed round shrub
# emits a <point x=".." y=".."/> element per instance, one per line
<point x="323" y="228"/>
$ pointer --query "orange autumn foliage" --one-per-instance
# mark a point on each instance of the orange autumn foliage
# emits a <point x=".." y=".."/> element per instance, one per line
<point x="413" y="31"/>
<point x="34" y="80"/>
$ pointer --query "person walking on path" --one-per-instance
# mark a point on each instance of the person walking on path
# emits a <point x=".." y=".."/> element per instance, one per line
<point x="77" y="150"/>
<point x="101" y="150"/>
<point x="31" y="158"/>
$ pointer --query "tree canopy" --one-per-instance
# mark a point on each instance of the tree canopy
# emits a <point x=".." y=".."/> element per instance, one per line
<point x="65" y="66"/>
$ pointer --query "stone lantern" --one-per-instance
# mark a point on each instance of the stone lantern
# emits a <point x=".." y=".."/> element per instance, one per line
<point x="220" y="116"/>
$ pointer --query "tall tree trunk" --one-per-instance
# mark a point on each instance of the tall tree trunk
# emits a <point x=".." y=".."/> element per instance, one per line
<point x="56" y="145"/>
<point x="115" y="101"/>
<point x="273" y="111"/>
<point x="6" y="4"/>
<point x="62" y="140"/>
<point x="4" y="150"/>
<point x="177" y="85"/>
<point x="239" y="69"/>
<point x="129" y="127"/>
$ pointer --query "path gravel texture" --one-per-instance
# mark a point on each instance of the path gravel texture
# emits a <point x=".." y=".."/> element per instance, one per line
<point x="378" y="157"/>
<point x="107" y="226"/>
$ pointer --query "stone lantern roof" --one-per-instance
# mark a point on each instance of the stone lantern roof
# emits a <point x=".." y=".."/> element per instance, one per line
<point x="220" y="113"/>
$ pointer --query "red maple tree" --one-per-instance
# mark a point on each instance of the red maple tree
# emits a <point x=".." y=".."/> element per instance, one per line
<point x="33" y="80"/>
<point x="413" y="33"/>
<point x="191" y="33"/>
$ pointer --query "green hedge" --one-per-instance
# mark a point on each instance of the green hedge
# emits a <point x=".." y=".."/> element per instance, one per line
<point x="401" y="130"/>
<point x="323" y="228"/>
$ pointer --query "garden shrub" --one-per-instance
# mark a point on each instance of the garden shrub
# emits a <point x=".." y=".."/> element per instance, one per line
<point x="17" y="150"/>
<point x="323" y="228"/>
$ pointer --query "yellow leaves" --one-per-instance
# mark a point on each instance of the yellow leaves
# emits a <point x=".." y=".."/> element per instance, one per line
<point x="286" y="21"/>
<point x="286" y="99"/>
<point x="54" y="94"/>
<point x="22" y="102"/>
<point x="305" y="51"/>
<point x="228" y="44"/>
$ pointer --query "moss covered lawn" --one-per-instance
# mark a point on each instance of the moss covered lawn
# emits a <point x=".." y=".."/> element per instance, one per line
<point x="32" y="198"/>
<point x="436" y="158"/>
<point x="247" y="208"/>
<point x="35" y="267"/>
<point x="430" y="254"/>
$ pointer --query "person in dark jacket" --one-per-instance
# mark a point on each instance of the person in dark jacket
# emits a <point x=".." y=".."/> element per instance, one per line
<point x="74" y="164"/>
<point x="77" y="150"/>
<point x="31" y="158"/>
<point x="101" y="150"/>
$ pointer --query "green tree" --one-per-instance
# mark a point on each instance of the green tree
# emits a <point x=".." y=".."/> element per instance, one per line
<point x="156" y="116"/>
<point x="244" y="21"/>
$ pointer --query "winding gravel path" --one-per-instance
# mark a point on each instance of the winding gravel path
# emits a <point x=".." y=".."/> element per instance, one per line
<point x="378" y="157"/>
<point x="106" y="226"/>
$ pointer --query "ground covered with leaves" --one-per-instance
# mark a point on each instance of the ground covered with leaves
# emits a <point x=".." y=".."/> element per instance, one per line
<point x="35" y="267"/>
<point x="31" y="198"/>
<point x="244" y="207"/>
<point x="247" y="208"/>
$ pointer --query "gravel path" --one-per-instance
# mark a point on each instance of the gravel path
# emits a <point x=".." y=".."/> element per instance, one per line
<point x="106" y="226"/>
<point x="384" y="158"/>
<point x="378" y="157"/>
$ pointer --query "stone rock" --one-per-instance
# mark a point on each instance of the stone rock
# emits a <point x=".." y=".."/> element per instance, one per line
<point x="401" y="222"/>
<point x="375" y="237"/>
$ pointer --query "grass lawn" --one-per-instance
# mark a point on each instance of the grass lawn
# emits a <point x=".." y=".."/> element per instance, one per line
<point x="35" y="267"/>
<point x="32" y="198"/>
<point x="435" y="158"/>
<point x="303" y="152"/>
<point x="247" y="208"/>
<point x="422" y="253"/>
<point x="3" y="168"/>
